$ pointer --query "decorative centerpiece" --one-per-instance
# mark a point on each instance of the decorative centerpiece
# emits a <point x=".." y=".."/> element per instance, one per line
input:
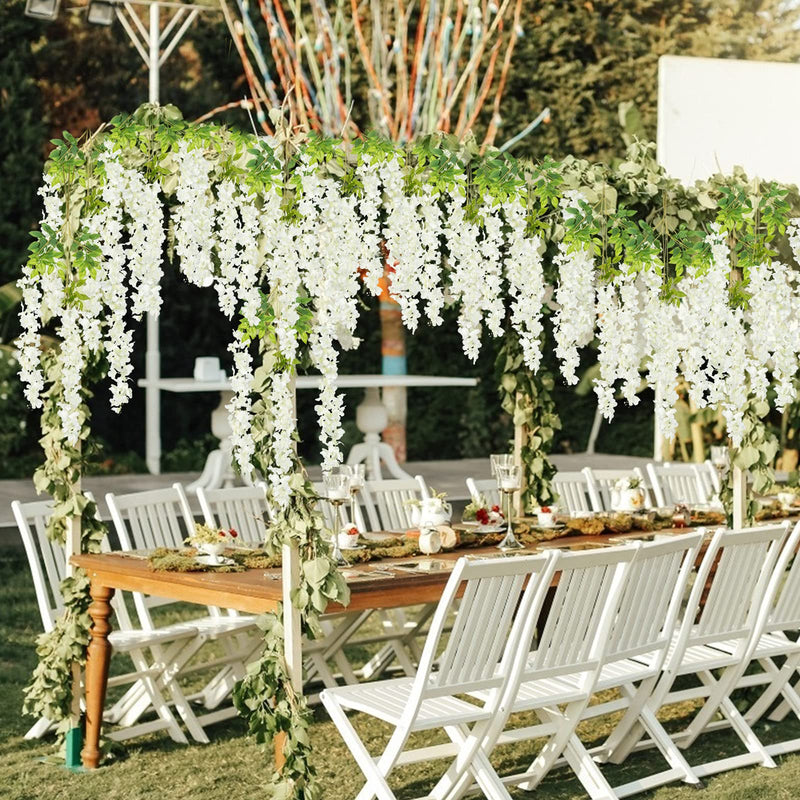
<point x="348" y="537"/>
<point x="484" y="514"/>
<point x="546" y="516"/>
<point x="628" y="494"/>
<point x="211" y="542"/>
<point x="430" y="511"/>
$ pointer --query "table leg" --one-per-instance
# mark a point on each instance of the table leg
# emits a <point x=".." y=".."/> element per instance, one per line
<point x="99" y="655"/>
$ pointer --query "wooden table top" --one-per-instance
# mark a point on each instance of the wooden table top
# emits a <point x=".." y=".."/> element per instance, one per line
<point x="377" y="584"/>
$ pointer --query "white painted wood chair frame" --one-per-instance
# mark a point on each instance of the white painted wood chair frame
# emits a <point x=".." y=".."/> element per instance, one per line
<point x="342" y="628"/>
<point x="676" y="483"/>
<point x="162" y="518"/>
<point x="243" y="508"/>
<point x="388" y="502"/>
<point x="603" y="481"/>
<point x="487" y="488"/>
<point x="563" y="668"/>
<point x="483" y="652"/>
<point x="781" y="615"/>
<point x="745" y="562"/>
<point x="388" y="509"/>
<point x="633" y="657"/>
<point x="153" y="653"/>
<point x="575" y="493"/>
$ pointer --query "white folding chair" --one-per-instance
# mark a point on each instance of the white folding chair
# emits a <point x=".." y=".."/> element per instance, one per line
<point x="243" y="508"/>
<point x="634" y="654"/>
<point x="781" y="615"/>
<point x="153" y="653"/>
<point x="720" y="639"/>
<point x="676" y="483"/>
<point x="398" y="634"/>
<point x="486" y="488"/>
<point x="575" y="493"/>
<point x="563" y="668"/>
<point x="483" y="652"/>
<point x="388" y="502"/>
<point x="708" y="477"/>
<point x="162" y="518"/>
<point x="603" y="481"/>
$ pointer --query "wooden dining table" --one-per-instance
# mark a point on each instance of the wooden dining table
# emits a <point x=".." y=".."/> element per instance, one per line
<point x="384" y="584"/>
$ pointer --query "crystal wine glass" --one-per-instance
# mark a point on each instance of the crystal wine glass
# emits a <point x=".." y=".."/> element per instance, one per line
<point x="509" y="480"/>
<point x="500" y="460"/>
<point x="337" y="491"/>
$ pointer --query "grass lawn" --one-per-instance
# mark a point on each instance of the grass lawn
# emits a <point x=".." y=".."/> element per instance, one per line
<point x="233" y="768"/>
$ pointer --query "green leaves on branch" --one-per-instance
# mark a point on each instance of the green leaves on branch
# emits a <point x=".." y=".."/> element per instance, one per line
<point x="49" y="694"/>
<point x="528" y="400"/>
<point x="266" y="696"/>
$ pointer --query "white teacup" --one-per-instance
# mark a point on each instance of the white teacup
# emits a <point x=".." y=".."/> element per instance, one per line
<point x="347" y="540"/>
<point x="430" y="541"/>
<point x="546" y="519"/>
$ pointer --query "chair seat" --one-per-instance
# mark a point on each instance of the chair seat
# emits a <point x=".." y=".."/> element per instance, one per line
<point x="769" y="645"/>
<point x="387" y="700"/>
<point x="695" y="658"/>
<point x="217" y="626"/>
<point x="124" y="640"/>
<point x="568" y="688"/>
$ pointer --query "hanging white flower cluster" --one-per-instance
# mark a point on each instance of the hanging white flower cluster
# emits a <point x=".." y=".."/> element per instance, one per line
<point x="402" y="236"/>
<point x="726" y="354"/>
<point x="331" y="276"/>
<point x="620" y="344"/>
<point x="526" y="285"/>
<point x="127" y="226"/>
<point x="476" y="273"/>
<point x="574" y="319"/>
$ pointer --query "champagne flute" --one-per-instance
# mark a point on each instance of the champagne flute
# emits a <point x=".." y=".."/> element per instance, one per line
<point x="509" y="480"/>
<point x="337" y="491"/>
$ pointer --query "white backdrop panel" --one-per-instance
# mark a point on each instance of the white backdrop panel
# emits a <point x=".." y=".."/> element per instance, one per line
<point x="714" y="114"/>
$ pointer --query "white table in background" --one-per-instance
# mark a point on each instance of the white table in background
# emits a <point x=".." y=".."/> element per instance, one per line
<point x="371" y="419"/>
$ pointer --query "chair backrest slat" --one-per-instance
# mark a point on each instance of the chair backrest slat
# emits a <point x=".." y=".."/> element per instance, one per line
<point x="676" y="483"/>
<point x="485" y="487"/>
<point x="388" y="505"/>
<point x="740" y="564"/>
<point x="784" y="611"/>
<point x="492" y="614"/>
<point x="48" y="564"/>
<point x="587" y="593"/>
<point x="575" y="492"/>
<point x="147" y="520"/>
<point x="243" y="508"/>
<point x="652" y="596"/>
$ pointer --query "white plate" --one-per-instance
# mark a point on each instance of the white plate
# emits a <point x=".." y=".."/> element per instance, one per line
<point x="484" y="528"/>
<point x="354" y="547"/>
<point x="220" y="562"/>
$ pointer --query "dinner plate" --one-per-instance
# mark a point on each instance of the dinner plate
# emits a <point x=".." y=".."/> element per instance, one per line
<point x="354" y="547"/>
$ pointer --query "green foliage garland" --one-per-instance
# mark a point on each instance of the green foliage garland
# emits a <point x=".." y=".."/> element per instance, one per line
<point x="49" y="693"/>
<point x="527" y="398"/>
